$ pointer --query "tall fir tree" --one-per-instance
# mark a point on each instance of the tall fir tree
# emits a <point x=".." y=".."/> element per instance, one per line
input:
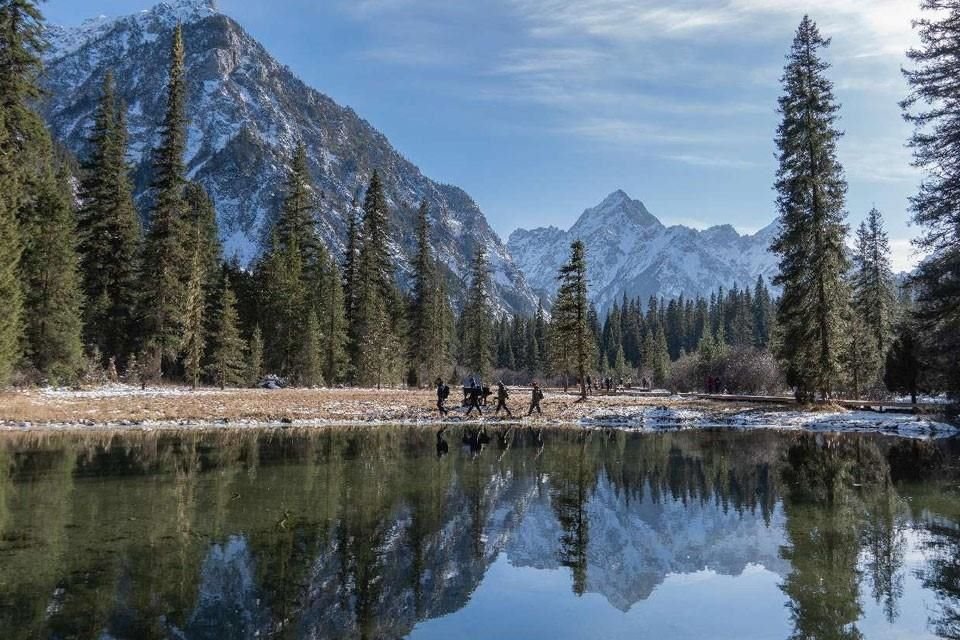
<point x="45" y="221"/>
<point x="810" y="201"/>
<point x="421" y="315"/>
<point x="51" y="280"/>
<point x="478" y="318"/>
<point x="227" y="363"/>
<point x="571" y="317"/>
<point x="163" y="275"/>
<point x="931" y="106"/>
<point x="874" y="292"/>
<point x="108" y="232"/>
<point x="11" y="290"/>
<point x="376" y="349"/>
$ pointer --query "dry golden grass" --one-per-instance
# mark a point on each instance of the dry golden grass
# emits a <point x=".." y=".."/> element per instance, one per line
<point x="172" y="405"/>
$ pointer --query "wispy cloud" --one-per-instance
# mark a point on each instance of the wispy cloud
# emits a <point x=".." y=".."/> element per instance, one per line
<point x="712" y="161"/>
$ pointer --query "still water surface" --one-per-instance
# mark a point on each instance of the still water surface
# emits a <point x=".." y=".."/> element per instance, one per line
<point x="394" y="533"/>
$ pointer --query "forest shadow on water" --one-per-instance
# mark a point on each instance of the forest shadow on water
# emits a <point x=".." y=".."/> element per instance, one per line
<point x="409" y="532"/>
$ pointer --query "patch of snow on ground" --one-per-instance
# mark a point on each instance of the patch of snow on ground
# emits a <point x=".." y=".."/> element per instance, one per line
<point x="654" y="417"/>
<point x="122" y="390"/>
<point x="851" y="421"/>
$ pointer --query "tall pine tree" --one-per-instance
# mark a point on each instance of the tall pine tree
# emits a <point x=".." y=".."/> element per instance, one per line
<point x="165" y="264"/>
<point x="932" y="107"/>
<point x="874" y="297"/>
<point x="421" y="315"/>
<point x="51" y="279"/>
<point x="571" y="317"/>
<point x="375" y="347"/>
<point x="109" y="234"/>
<point x="811" y="190"/>
<point x="478" y="318"/>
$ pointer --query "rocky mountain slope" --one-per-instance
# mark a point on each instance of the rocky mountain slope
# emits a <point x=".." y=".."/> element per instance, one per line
<point x="248" y="112"/>
<point x="630" y="251"/>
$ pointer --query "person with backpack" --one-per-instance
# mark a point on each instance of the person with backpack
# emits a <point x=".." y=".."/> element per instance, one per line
<point x="502" y="396"/>
<point x="443" y="392"/>
<point x="535" y="398"/>
<point x="474" y="392"/>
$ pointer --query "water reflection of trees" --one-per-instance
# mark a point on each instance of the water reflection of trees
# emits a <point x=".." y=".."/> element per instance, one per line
<point x="361" y="533"/>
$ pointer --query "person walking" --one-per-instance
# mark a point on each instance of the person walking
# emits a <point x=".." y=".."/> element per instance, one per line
<point x="443" y="392"/>
<point x="502" y="396"/>
<point x="473" y="399"/>
<point x="535" y="397"/>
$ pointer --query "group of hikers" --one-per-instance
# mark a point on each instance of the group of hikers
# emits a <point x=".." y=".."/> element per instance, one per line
<point x="475" y="395"/>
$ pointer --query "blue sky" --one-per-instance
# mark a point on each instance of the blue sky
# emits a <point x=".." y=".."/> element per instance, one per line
<point x="539" y="108"/>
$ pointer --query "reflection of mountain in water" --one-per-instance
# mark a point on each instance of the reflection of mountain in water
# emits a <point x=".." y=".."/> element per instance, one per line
<point x="344" y="535"/>
<point x="635" y="544"/>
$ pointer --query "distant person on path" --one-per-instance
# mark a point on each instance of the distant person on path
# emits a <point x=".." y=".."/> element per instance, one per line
<point x="443" y="392"/>
<point x="502" y="396"/>
<point x="589" y="385"/>
<point x="535" y="397"/>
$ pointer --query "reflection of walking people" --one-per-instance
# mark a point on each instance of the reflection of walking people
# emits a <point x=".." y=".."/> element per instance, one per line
<point x="535" y="397"/>
<point x="502" y="396"/>
<point x="443" y="391"/>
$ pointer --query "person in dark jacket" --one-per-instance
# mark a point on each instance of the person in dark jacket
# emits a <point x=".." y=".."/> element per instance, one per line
<point x="443" y="391"/>
<point x="473" y="397"/>
<point x="502" y="396"/>
<point x="535" y="397"/>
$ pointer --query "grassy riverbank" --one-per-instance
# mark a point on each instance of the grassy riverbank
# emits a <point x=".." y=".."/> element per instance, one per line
<point x="125" y="407"/>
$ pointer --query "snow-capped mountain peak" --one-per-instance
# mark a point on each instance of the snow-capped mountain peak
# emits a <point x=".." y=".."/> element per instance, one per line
<point x="247" y="112"/>
<point x="616" y="209"/>
<point x="629" y="251"/>
<point x="64" y="41"/>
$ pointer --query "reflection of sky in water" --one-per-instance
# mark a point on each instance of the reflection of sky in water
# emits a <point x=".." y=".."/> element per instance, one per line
<point x="522" y="602"/>
<point x="330" y="536"/>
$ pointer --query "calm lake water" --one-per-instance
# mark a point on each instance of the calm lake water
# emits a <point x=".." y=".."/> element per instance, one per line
<point x="392" y="533"/>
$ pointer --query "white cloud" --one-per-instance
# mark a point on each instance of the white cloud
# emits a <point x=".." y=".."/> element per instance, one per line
<point x="712" y="161"/>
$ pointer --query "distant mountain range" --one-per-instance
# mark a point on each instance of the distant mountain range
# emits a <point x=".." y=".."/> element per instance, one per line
<point x="247" y="112"/>
<point x="630" y="251"/>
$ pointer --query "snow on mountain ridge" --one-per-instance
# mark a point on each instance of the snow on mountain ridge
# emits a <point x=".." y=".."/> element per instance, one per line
<point x="630" y="251"/>
<point x="247" y="113"/>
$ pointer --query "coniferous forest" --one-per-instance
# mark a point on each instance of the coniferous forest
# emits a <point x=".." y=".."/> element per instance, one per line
<point x="93" y="289"/>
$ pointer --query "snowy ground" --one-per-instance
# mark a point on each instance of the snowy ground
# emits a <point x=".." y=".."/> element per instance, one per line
<point x="173" y="407"/>
<point x="667" y="417"/>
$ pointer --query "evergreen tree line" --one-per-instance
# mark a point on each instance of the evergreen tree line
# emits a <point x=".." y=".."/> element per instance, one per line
<point x="78" y="275"/>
